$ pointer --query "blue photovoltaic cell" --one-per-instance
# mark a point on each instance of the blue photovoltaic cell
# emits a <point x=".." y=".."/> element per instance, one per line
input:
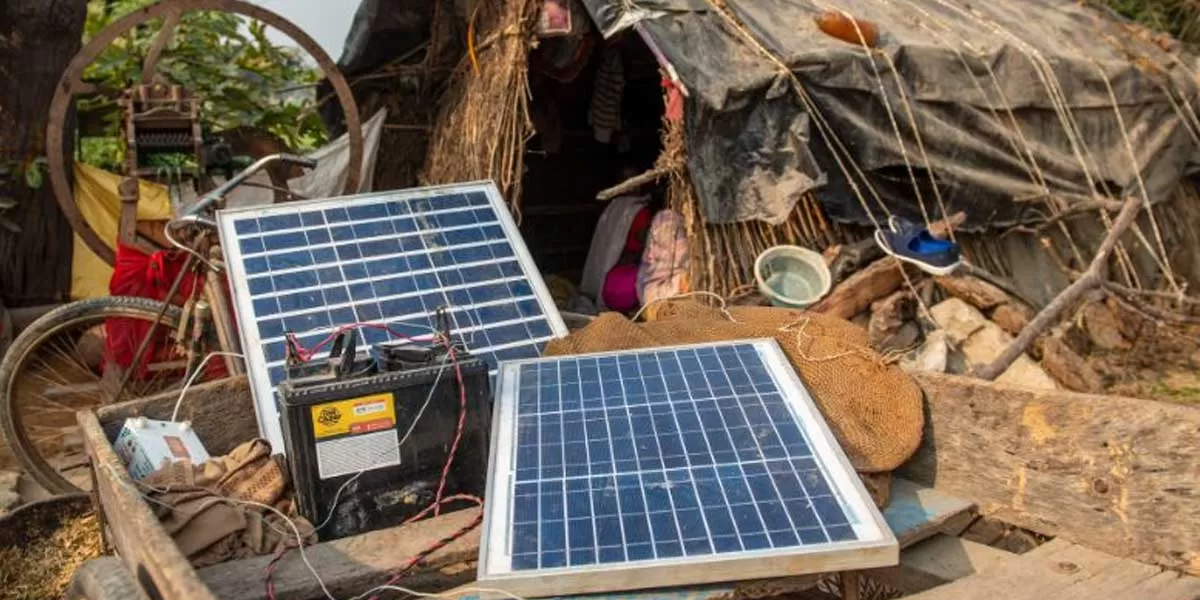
<point x="662" y="454"/>
<point x="393" y="257"/>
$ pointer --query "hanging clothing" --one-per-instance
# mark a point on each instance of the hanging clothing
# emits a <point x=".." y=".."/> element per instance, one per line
<point x="663" y="271"/>
<point x="607" y="91"/>
<point x="609" y="241"/>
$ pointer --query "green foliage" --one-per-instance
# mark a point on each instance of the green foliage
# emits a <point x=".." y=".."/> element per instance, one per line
<point x="1180" y="18"/>
<point x="225" y="59"/>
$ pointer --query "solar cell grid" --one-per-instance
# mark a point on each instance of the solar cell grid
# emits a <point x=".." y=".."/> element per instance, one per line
<point x="396" y="257"/>
<point x="694" y="453"/>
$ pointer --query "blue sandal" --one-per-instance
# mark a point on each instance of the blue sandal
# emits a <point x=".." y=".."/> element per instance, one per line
<point x="914" y="244"/>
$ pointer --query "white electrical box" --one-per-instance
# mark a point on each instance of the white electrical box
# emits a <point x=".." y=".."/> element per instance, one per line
<point x="145" y="445"/>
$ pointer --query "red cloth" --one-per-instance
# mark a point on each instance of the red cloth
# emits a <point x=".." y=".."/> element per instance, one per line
<point x="636" y="241"/>
<point x="136" y="274"/>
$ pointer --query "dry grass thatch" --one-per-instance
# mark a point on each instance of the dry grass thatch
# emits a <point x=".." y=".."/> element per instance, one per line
<point x="481" y="130"/>
<point x="722" y="256"/>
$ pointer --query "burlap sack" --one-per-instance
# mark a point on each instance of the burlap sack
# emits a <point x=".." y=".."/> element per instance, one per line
<point x="872" y="407"/>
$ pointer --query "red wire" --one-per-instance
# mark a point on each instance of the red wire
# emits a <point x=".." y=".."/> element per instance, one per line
<point x="306" y="354"/>
<point x="422" y="555"/>
<point x="462" y="419"/>
<point x="439" y="500"/>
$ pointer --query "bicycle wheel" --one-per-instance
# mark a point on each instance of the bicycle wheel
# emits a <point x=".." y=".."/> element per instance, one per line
<point x="71" y="359"/>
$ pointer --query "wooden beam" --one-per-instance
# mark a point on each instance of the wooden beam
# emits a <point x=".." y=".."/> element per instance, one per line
<point x="352" y="565"/>
<point x="1120" y="475"/>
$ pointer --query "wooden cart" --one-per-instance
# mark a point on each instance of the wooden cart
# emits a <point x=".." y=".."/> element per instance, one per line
<point x="1116" y="474"/>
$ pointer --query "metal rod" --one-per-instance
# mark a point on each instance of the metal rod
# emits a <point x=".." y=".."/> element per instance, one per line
<point x="141" y="352"/>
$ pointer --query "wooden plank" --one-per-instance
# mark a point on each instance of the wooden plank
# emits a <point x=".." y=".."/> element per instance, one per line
<point x="1040" y="574"/>
<point x="916" y="512"/>
<point x="221" y="412"/>
<point x="143" y="545"/>
<point x="350" y="566"/>
<point x="1120" y="475"/>
<point x="1169" y="585"/>
<point x="1065" y="571"/>
<point x="939" y="560"/>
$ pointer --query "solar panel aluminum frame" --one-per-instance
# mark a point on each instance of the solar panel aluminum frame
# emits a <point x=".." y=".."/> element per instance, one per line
<point x="876" y="547"/>
<point x="257" y="370"/>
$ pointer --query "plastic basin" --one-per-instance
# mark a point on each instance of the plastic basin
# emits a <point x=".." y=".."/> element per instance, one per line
<point x="791" y="276"/>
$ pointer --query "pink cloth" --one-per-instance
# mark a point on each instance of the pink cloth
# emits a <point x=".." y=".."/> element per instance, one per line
<point x="620" y="288"/>
<point x="663" y="271"/>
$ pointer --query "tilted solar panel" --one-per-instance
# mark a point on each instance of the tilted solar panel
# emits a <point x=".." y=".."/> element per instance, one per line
<point x="679" y="465"/>
<point x="395" y="257"/>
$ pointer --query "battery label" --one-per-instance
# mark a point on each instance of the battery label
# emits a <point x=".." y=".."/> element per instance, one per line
<point x="364" y="414"/>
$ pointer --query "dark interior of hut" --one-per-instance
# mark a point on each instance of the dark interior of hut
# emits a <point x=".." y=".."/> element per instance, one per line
<point x="570" y="159"/>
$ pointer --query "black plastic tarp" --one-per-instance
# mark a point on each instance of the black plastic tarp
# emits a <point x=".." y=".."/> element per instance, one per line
<point x="964" y="75"/>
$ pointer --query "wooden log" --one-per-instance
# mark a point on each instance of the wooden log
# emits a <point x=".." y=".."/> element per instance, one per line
<point x="857" y="292"/>
<point x="973" y="291"/>
<point x="1068" y="368"/>
<point x="1120" y="475"/>
<point x="352" y="565"/>
<point x="1012" y="318"/>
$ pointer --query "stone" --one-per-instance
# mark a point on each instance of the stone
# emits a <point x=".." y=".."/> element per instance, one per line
<point x="932" y="356"/>
<point x="974" y="291"/>
<point x="1103" y="328"/>
<point x="982" y="341"/>
<point x="1011" y="317"/>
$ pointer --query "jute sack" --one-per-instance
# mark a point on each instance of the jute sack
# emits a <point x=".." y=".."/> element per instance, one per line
<point x="873" y="408"/>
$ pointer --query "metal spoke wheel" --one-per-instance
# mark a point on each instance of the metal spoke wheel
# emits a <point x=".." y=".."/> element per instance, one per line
<point x="72" y="359"/>
<point x="171" y="12"/>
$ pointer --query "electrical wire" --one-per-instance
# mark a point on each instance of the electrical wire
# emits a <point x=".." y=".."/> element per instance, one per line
<point x="439" y="500"/>
<point x="192" y="379"/>
<point x="338" y="495"/>
<point x="122" y="478"/>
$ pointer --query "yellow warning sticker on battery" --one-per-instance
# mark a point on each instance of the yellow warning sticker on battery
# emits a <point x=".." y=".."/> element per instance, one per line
<point x="364" y="414"/>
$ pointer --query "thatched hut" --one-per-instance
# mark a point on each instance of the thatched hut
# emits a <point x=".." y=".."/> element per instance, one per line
<point x="801" y="123"/>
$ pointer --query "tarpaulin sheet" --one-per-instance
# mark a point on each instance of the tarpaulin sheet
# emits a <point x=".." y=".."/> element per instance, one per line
<point x="964" y="74"/>
<point x="99" y="201"/>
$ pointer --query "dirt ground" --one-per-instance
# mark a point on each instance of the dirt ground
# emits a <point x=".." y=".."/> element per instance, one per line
<point x="39" y="562"/>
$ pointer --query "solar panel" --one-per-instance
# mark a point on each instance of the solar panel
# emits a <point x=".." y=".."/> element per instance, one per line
<point x="395" y="257"/>
<point x="691" y="464"/>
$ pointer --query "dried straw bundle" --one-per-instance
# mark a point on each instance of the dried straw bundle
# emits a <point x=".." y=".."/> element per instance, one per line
<point x="481" y="130"/>
<point x="722" y="256"/>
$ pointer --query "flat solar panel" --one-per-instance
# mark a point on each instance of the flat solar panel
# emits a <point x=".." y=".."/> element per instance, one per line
<point x="393" y="257"/>
<point x="667" y="461"/>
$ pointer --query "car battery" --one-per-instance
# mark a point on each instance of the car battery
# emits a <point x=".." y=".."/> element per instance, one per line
<point x="367" y="440"/>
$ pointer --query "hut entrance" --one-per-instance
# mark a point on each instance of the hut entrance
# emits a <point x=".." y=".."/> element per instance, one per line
<point x="597" y="107"/>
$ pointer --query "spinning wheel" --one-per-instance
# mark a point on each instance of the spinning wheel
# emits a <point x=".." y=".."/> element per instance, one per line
<point x="165" y="110"/>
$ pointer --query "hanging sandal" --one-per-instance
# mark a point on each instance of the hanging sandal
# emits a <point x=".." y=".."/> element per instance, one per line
<point x="914" y="244"/>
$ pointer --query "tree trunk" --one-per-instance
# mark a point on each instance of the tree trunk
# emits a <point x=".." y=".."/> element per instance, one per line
<point x="37" y="39"/>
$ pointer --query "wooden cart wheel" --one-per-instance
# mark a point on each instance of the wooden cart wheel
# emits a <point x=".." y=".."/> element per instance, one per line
<point x="171" y="11"/>
<point x="104" y="578"/>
